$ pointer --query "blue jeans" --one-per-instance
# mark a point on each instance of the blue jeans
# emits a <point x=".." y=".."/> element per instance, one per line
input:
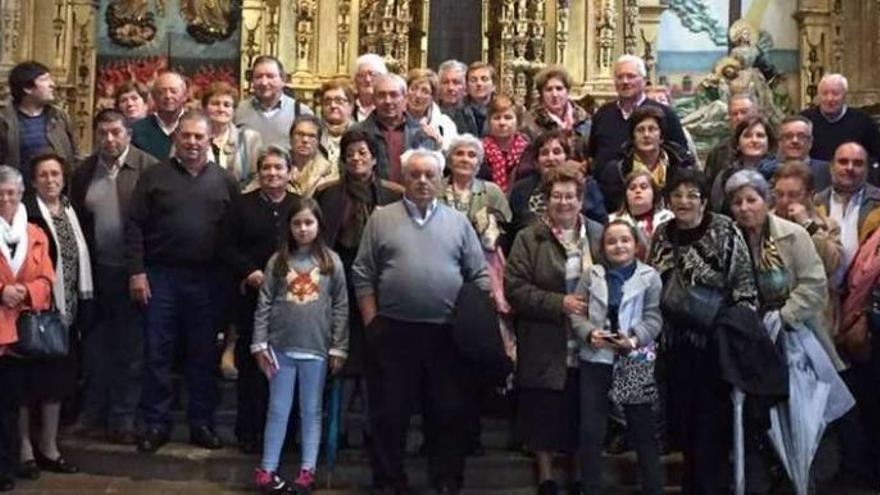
<point x="311" y="389"/>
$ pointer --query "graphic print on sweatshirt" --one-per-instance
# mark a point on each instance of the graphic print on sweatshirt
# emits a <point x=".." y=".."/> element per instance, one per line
<point x="302" y="287"/>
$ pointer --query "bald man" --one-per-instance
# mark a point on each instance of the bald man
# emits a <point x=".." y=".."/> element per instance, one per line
<point x="153" y="132"/>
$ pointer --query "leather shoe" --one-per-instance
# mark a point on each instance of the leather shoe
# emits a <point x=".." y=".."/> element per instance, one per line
<point x="121" y="437"/>
<point x="28" y="470"/>
<point x="152" y="440"/>
<point x="58" y="465"/>
<point x="204" y="436"/>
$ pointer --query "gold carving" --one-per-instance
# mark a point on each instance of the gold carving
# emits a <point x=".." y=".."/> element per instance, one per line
<point x="631" y="26"/>
<point x="343" y="31"/>
<point x="562" y="19"/>
<point x="385" y="29"/>
<point x="209" y="21"/>
<point x="607" y="30"/>
<point x="305" y="32"/>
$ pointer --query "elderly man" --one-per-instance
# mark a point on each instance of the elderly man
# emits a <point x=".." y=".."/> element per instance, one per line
<point x="480" y="90"/>
<point x="451" y="98"/>
<point x="795" y="140"/>
<point x="392" y="128"/>
<point x="610" y="127"/>
<point x="740" y="107"/>
<point x="153" y="132"/>
<point x="367" y="68"/>
<point x="835" y="123"/>
<point x="270" y="112"/>
<point x="337" y="99"/>
<point x="171" y="247"/>
<point x="413" y="259"/>
<point x="32" y="123"/>
<point x="100" y="190"/>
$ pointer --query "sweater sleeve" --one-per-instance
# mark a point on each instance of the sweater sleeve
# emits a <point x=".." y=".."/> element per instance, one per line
<point x="138" y="213"/>
<point x="581" y="323"/>
<point x="809" y="295"/>
<point x="339" y="295"/>
<point x="265" y="300"/>
<point x="528" y="299"/>
<point x="364" y="270"/>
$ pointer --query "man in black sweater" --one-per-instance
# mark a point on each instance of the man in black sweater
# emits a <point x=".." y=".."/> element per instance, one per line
<point x="171" y="239"/>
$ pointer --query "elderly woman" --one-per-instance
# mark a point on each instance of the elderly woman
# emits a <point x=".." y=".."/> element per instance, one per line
<point x="133" y="100"/>
<point x="421" y="104"/>
<point x="504" y="145"/>
<point x="643" y="205"/>
<point x="234" y="149"/>
<point x="754" y="148"/>
<point x="26" y="276"/>
<point x="337" y="104"/>
<point x="556" y="110"/>
<point x="698" y="252"/>
<point x="50" y="381"/>
<point x="542" y="272"/>
<point x="252" y="230"/>
<point x="528" y="198"/>
<point x="646" y="149"/>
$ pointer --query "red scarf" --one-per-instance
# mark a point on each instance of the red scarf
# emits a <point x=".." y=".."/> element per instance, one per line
<point x="503" y="163"/>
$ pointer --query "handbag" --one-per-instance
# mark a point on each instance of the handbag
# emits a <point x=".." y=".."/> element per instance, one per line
<point x="690" y="303"/>
<point x="632" y="378"/>
<point x="41" y="334"/>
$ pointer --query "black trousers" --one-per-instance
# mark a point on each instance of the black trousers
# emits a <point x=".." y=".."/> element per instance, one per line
<point x="252" y="386"/>
<point x="10" y="400"/>
<point x="412" y="365"/>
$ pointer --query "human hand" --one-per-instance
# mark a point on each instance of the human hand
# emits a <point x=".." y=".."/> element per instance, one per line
<point x="574" y="304"/>
<point x="13" y="295"/>
<point x="336" y="364"/>
<point x="267" y="365"/>
<point x="139" y="287"/>
<point x="255" y="279"/>
<point x="798" y="213"/>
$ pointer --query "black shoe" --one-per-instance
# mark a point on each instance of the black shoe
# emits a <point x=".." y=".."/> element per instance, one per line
<point x="58" y="465"/>
<point x="29" y="470"/>
<point x="6" y="484"/>
<point x="204" y="436"/>
<point x="152" y="440"/>
<point x="547" y="487"/>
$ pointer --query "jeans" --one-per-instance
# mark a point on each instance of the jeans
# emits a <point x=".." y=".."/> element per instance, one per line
<point x="311" y="390"/>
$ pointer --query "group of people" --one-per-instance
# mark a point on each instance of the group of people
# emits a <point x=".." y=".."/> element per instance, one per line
<point x="623" y="279"/>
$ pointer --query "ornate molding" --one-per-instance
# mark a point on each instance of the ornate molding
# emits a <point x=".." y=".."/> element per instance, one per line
<point x="305" y="12"/>
<point x="563" y="11"/>
<point x="631" y="26"/>
<point x="606" y="32"/>
<point x="343" y="32"/>
<point x="385" y="29"/>
<point x="838" y="37"/>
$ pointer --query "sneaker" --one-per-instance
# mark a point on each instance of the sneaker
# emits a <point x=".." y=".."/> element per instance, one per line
<point x="270" y="482"/>
<point x="304" y="482"/>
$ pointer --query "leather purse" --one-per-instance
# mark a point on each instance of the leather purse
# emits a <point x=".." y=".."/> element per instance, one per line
<point x="693" y="304"/>
<point x="41" y="334"/>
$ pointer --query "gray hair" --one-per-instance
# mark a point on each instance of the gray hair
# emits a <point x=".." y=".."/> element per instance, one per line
<point x="11" y="174"/>
<point x="835" y="78"/>
<point x="747" y="178"/>
<point x="639" y="63"/>
<point x="744" y="95"/>
<point x="409" y="155"/>
<point x="451" y="65"/>
<point x="394" y="78"/>
<point x="376" y="62"/>
<point x="463" y="141"/>
<point x="273" y="150"/>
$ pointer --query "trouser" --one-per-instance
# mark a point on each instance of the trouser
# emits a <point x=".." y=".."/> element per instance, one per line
<point x="595" y="382"/>
<point x="309" y="374"/>
<point x="409" y="365"/>
<point x="183" y="311"/>
<point x="10" y="399"/>
<point x="252" y="386"/>
<point x="113" y="353"/>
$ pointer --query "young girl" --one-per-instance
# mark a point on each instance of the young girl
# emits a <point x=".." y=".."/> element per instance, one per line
<point x="301" y="321"/>
<point x="617" y="354"/>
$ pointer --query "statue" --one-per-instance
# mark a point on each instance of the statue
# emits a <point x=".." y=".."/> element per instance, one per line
<point x="607" y="29"/>
<point x="129" y="22"/>
<point x="209" y="21"/>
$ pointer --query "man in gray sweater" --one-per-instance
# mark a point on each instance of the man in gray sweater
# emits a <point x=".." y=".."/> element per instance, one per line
<point x="413" y="259"/>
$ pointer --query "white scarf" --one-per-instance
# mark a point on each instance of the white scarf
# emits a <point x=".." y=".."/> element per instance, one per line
<point x="85" y="265"/>
<point x="15" y="234"/>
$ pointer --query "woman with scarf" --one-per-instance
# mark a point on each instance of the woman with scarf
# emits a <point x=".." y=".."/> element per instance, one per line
<point x="754" y="148"/>
<point x="50" y="381"/>
<point x="504" y="146"/>
<point x="556" y="110"/>
<point x="26" y="277"/>
<point x="347" y="205"/>
<point x="234" y="149"/>
<point x="421" y="105"/>
<point x="547" y="260"/>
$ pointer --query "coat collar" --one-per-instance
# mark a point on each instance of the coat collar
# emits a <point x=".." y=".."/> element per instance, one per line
<point x="634" y="286"/>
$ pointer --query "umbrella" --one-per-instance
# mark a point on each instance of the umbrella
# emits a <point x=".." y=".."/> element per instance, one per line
<point x="739" y="455"/>
<point x="334" y="413"/>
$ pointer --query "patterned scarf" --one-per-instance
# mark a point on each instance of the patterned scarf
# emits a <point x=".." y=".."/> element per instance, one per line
<point x="658" y="172"/>
<point x="502" y="163"/>
<point x="357" y="204"/>
<point x="771" y="276"/>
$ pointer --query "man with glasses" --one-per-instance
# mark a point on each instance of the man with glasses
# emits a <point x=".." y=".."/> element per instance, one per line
<point x="337" y="104"/>
<point x="795" y="141"/>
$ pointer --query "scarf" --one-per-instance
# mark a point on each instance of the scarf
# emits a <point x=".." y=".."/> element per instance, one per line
<point x="14" y="235"/>
<point x="357" y="204"/>
<point x="771" y="276"/>
<point x="85" y="265"/>
<point x="503" y="164"/>
<point x="659" y="171"/>
<point x="615" y="278"/>
<point x="575" y="249"/>
<point x="566" y="122"/>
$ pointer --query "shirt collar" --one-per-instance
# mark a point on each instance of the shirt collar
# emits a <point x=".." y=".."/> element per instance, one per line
<point x="118" y="164"/>
<point x="416" y="214"/>
<point x="835" y="118"/>
<point x="855" y="199"/>
<point x="637" y="105"/>
<point x="259" y="104"/>
<point x="168" y="130"/>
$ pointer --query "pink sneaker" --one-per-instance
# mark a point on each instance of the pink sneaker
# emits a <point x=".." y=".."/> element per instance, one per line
<point x="304" y="482"/>
<point x="270" y="482"/>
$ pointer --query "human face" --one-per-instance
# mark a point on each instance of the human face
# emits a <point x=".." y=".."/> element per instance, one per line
<point x="849" y="169"/>
<point x="753" y="142"/>
<point x="749" y="208"/>
<point x="220" y="109"/>
<point x="169" y="93"/>
<point x="464" y="163"/>
<point x="639" y="195"/>
<point x="795" y="141"/>
<point x="502" y="125"/>
<point x="43" y="91"/>
<point x="480" y="85"/>
<point x="554" y="96"/>
<point x="786" y="192"/>
<point x="359" y="161"/>
<point x="619" y="245"/>
<point x="112" y="139"/>
<point x="550" y="156"/>
<point x="304" y="140"/>
<point x="49" y="180"/>
<point x="686" y="202"/>
<point x="419" y="97"/>
<point x="629" y="84"/>
<point x="389" y="99"/>
<point x="336" y="108"/>
<point x="564" y="204"/>
<point x="267" y="82"/>
<point x="10" y="198"/>
<point x="421" y="180"/>
<point x="132" y="105"/>
<point x="192" y="140"/>
<point x="740" y="109"/>
<point x="452" y="87"/>
<point x="831" y="97"/>
<point x="647" y="136"/>
<point x="274" y="173"/>
<point x="364" y="77"/>
<point x="304" y="227"/>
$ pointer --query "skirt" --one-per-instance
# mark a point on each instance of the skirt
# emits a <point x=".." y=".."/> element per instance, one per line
<point x="51" y="379"/>
<point x="548" y="420"/>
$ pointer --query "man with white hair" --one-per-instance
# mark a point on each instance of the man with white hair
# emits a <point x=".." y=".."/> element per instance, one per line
<point x="392" y="128"/>
<point x="153" y="132"/>
<point x="610" y="127"/>
<point x="414" y="257"/>
<point x="451" y="99"/>
<point x="366" y="68"/>
<point x="835" y="123"/>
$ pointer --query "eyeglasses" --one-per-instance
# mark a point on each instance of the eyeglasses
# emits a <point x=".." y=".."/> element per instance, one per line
<point x="689" y="195"/>
<point x="335" y="100"/>
<point x="800" y="136"/>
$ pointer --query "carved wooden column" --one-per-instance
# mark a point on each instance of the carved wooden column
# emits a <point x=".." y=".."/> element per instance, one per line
<point x="607" y="22"/>
<point x="815" y="43"/>
<point x="649" y="23"/>
<point x="82" y="63"/>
